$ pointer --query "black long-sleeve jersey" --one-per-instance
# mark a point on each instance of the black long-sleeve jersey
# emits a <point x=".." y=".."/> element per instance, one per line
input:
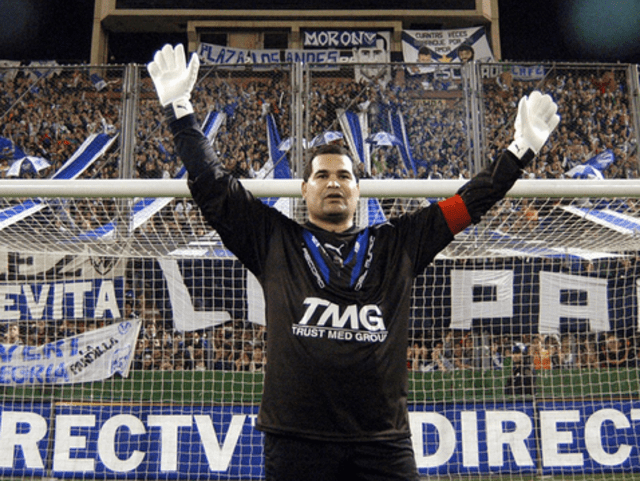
<point x="337" y="304"/>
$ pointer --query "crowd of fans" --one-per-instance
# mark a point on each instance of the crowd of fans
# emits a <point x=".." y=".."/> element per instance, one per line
<point x="241" y="346"/>
<point x="470" y="350"/>
<point x="51" y="116"/>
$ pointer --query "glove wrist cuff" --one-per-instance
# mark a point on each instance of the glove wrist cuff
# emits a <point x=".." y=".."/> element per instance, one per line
<point x="179" y="108"/>
<point x="522" y="152"/>
<point x="520" y="147"/>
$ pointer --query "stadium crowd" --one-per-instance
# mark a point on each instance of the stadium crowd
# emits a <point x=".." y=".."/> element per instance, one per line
<point x="50" y="117"/>
<point x="241" y="346"/>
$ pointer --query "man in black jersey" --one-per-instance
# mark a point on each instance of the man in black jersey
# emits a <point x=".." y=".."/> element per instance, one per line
<point x="337" y="296"/>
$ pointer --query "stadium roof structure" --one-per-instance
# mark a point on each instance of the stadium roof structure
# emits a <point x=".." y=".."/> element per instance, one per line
<point x="246" y="21"/>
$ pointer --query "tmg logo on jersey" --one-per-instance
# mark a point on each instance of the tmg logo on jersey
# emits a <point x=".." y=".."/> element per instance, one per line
<point x="323" y="318"/>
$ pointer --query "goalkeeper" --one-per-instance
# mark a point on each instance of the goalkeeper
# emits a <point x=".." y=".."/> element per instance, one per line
<point x="337" y="295"/>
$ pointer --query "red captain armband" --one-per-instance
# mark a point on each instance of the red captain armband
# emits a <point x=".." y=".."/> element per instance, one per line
<point x="455" y="213"/>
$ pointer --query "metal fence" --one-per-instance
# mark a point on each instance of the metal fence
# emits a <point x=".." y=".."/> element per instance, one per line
<point x="450" y="119"/>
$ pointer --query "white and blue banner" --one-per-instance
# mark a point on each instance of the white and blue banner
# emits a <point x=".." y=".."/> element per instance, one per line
<point x="343" y="39"/>
<point x="356" y="129"/>
<point x="531" y="295"/>
<point x="217" y="55"/>
<point x="278" y="159"/>
<point x="220" y="442"/>
<point x="63" y="299"/>
<point x="444" y="47"/>
<point x="211" y="54"/>
<point x="91" y="356"/>
<point x="53" y="287"/>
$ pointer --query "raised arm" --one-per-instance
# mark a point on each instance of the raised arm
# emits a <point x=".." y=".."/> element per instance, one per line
<point x="537" y="118"/>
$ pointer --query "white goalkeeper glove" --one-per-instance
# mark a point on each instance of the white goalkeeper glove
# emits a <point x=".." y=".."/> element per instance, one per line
<point x="174" y="79"/>
<point x="535" y="121"/>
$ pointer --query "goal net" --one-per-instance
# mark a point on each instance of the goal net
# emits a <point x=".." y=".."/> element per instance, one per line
<point x="134" y="341"/>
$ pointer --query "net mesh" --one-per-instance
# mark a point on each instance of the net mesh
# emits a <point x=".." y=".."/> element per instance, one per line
<point x="528" y="317"/>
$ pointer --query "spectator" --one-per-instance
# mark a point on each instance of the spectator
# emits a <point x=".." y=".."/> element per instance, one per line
<point x="614" y="352"/>
<point x="13" y="335"/>
<point x="521" y="381"/>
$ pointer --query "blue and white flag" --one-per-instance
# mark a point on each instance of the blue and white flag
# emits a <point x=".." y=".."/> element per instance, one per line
<point x="400" y="131"/>
<point x="382" y="138"/>
<point x="326" y="138"/>
<point x="585" y="171"/>
<point x="9" y="150"/>
<point x="277" y="167"/>
<point x="356" y="129"/>
<point x="603" y="160"/>
<point x="27" y="163"/>
<point x="98" y="82"/>
<point x="594" y="167"/>
<point x="43" y="68"/>
<point x="281" y="169"/>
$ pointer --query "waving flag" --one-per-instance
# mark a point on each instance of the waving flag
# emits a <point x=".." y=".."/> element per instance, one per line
<point x="383" y="139"/>
<point x="594" y="167"/>
<point x="585" y="171"/>
<point x="356" y="129"/>
<point x="602" y="160"/>
<point x="90" y="150"/>
<point x="27" y="163"/>
<point x="9" y="150"/>
<point x="281" y="169"/>
<point x="399" y="130"/>
<point x="326" y="138"/>
<point x="98" y="82"/>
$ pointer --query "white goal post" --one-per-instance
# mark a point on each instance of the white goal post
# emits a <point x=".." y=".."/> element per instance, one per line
<point x="291" y="188"/>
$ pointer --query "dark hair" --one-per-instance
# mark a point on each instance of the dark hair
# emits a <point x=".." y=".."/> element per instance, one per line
<point x="424" y="50"/>
<point x="335" y="149"/>
<point x="468" y="48"/>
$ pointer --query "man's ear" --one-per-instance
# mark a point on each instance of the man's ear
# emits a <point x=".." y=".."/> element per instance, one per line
<point x="303" y="189"/>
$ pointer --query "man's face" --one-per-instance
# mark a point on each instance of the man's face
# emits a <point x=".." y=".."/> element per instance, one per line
<point x="331" y="192"/>
<point x="465" y="55"/>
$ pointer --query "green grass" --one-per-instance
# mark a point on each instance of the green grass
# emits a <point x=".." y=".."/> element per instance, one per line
<point x="220" y="387"/>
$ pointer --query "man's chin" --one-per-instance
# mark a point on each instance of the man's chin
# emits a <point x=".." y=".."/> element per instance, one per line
<point x="336" y="215"/>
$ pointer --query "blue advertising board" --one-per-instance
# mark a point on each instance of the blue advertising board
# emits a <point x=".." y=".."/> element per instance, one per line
<point x="96" y="441"/>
